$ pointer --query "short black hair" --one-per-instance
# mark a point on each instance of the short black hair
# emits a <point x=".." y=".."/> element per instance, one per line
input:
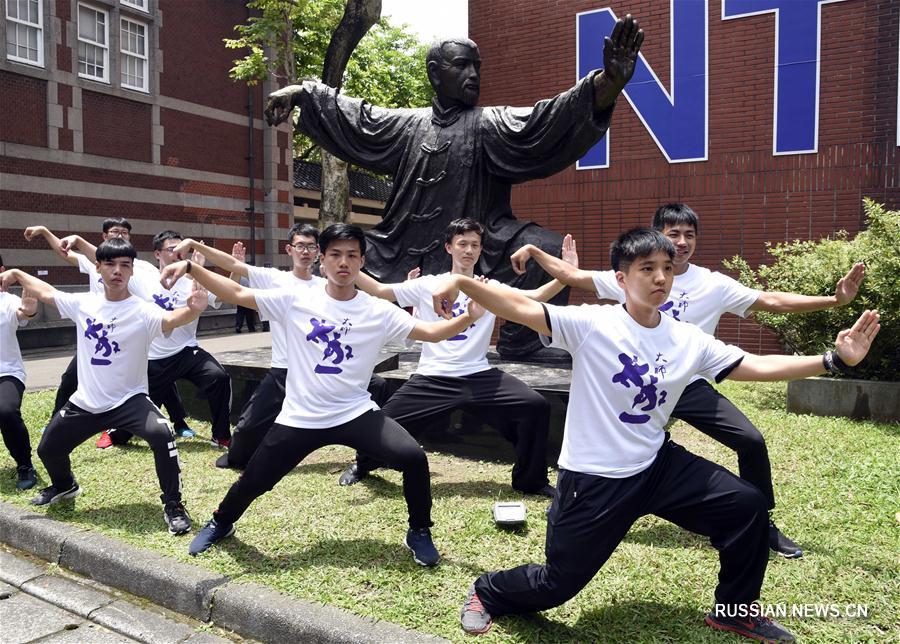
<point x="110" y="222"/>
<point x="1" y="261"/>
<point x="637" y="243"/>
<point x="304" y="230"/>
<point x="342" y="231"/>
<point x="161" y="237"/>
<point x="675" y="214"/>
<point x="461" y="226"/>
<point x="115" y="247"/>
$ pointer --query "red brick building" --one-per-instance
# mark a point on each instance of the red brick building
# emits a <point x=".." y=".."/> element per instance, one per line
<point x="125" y="108"/>
<point x="745" y="194"/>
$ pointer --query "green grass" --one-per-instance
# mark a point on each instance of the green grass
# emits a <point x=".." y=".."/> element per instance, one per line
<point x="836" y="482"/>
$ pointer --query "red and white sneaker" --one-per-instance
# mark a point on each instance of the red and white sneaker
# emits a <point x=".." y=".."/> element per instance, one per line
<point x="105" y="441"/>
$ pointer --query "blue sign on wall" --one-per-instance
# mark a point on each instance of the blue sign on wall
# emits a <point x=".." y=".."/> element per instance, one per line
<point x="678" y="120"/>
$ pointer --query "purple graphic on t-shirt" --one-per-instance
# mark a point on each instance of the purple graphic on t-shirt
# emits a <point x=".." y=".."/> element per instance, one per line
<point x="633" y="374"/>
<point x="456" y="311"/>
<point x="676" y="308"/>
<point x="333" y="347"/>
<point x="104" y="346"/>
<point x="164" y="302"/>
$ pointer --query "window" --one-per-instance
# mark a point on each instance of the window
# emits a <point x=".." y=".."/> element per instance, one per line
<point x="137" y="4"/>
<point x="93" y="43"/>
<point x="133" y="44"/>
<point x="25" y="31"/>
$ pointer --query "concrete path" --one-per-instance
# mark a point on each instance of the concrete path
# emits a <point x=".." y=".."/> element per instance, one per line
<point x="40" y="604"/>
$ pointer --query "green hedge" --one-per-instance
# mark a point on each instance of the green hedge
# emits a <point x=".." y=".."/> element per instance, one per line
<point x="814" y="267"/>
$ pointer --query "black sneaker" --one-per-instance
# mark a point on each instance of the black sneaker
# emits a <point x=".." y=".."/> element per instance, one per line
<point x="209" y="534"/>
<point x="546" y="490"/>
<point x="781" y="544"/>
<point x="474" y="618"/>
<point x="26" y="477"/>
<point x="420" y="543"/>
<point x="53" y="495"/>
<point x="757" y="628"/>
<point x="226" y="464"/>
<point x="352" y="475"/>
<point x="177" y="518"/>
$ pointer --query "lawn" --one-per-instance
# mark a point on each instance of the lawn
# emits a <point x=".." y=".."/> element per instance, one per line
<point x="836" y="482"/>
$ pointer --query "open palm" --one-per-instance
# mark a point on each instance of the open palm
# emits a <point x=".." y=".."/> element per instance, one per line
<point x="854" y="343"/>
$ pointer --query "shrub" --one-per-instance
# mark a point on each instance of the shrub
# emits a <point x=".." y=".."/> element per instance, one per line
<point x="814" y="267"/>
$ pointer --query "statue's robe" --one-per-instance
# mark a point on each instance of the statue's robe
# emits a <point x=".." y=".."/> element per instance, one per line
<point x="448" y="164"/>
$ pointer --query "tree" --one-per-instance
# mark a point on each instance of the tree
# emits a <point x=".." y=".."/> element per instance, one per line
<point x="331" y="40"/>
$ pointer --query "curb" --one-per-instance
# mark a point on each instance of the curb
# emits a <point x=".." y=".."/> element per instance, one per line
<point x="251" y="610"/>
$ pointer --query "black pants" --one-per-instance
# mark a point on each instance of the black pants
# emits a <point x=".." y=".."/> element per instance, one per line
<point x="591" y="515"/>
<point x="242" y="315"/>
<point x="15" y="434"/>
<point x="713" y="414"/>
<point x="259" y="414"/>
<point x="285" y="447"/>
<point x="518" y="412"/>
<point x="199" y="367"/>
<point x="137" y="415"/>
<point x="68" y="383"/>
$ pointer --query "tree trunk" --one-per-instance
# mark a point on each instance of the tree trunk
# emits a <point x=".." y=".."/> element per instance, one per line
<point x="359" y="16"/>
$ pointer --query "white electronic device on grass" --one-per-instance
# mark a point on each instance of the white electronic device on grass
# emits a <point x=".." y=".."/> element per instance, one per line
<point x="509" y="514"/>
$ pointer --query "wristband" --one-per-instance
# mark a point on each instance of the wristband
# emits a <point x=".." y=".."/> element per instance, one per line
<point x="839" y="364"/>
<point x="828" y="360"/>
<point x="188" y="269"/>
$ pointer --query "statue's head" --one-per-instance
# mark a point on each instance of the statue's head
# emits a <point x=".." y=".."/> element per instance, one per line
<point x="454" y="70"/>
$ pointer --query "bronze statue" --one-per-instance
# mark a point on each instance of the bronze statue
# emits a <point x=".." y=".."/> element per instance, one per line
<point x="457" y="160"/>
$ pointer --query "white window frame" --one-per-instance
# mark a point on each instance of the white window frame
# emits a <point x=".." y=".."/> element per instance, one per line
<point x="38" y="27"/>
<point x="136" y="4"/>
<point x="91" y="43"/>
<point x="124" y="54"/>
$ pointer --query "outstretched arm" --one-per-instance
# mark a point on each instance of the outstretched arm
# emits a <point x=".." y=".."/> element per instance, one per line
<point x="620" y="52"/>
<point x="35" y="287"/>
<point x="219" y="285"/>
<point x="52" y="240"/>
<point x="562" y="270"/>
<point x="443" y="329"/>
<point x="851" y="346"/>
<point x="503" y="302"/>
<point x="780" y="302"/>
<point x="218" y="257"/>
<point x="186" y="314"/>
<point x="373" y="287"/>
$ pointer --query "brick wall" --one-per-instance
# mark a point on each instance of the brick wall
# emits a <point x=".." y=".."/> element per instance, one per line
<point x="116" y="127"/>
<point x="20" y="95"/>
<point x="744" y="195"/>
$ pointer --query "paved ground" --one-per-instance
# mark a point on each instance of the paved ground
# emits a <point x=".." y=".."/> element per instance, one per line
<point x="40" y="603"/>
<point x="45" y="367"/>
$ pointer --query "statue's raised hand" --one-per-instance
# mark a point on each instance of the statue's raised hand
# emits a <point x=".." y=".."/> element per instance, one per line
<point x="280" y="104"/>
<point x="620" y="52"/>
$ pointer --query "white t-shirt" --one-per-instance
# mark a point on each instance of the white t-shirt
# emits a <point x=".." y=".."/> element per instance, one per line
<point x="699" y="296"/>
<point x="112" y="341"/>
<point x="10" y="356"/>
<point x="463" y="354"/>
<point x="269" y="278"/>
<point x="169" y="300"/>
<point x="135" y="285"/>
<point x="334" y="347"/>
<point x="626" y="379"/>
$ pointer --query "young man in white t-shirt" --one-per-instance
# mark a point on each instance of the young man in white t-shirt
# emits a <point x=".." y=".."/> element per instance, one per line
<point x="335" y="334"/>
<point x="15" y="312"/>
<point x="112" y="227"/>
<point x="630" y="365"/>
<point x="700" y="296"/>
<point x="455" y="374"/>
<point x="264" y="405"/>
<point x="114" y="333"/>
